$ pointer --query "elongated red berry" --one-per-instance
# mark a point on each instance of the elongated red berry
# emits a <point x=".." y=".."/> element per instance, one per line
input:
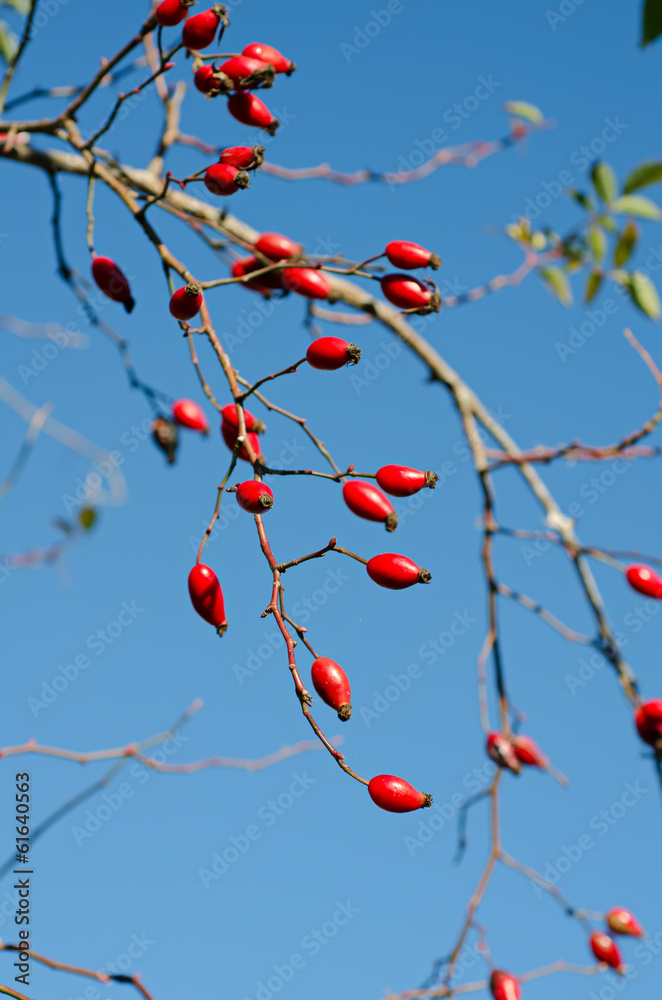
<point x="223" y="179"/>
<point x="332" y="685"/>
<point x="277" y="247"/>
<point x="229" y="415"/>
<point x="396" y="795"/>
<point x="112" y="281"/>
<point x="246" y="73"/>
<point x="648" y="720"/>
<point x="401" y="481"/>
<point x="409" y="293"/>
<point x="172" y="12"/>
<point x="265" y="283"/>
<point x="606" y="950"/>
<point x="243" y="157"/>
<point x="410" y="255"/>
<point x="256" y="50"/>
<point x="331" y="353"/>
<point x="645" y="580"/>
<point x="207" y="596"/>
<point x="186" y="302"/>
<point x="187" y="413"/>
<point x="503" y="986"/>
<point x="502" y="752"/>
<point x="528" y="752"/>
<point x="305" y="281"/>
<point x="203" y="79"/>
<point x="230" y="435"/>
<point x="366" y="501"/>
<point x="254" y="497"/>
<point x="396" y="572"/>
<point x="621" y="921"/>
<point x="200" y="30"/>
<point x="250" y="110"/>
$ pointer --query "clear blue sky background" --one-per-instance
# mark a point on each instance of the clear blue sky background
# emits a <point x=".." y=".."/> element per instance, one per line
<point x="139" y="873"/>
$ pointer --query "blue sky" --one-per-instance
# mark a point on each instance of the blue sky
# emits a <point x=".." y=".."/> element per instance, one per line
<point x="381" y="890"/>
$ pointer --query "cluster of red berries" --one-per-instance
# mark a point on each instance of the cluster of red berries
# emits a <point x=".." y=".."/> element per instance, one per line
<point x="237" y="77"/>
<point x="389" y="570"/>
<point x="603" y="946"/>
<point x="409" y="294"/>
<point x="405" y="292"/>
<point x="274" y="248"/>
<point x="647" y="717"/>
<point x="230" y="174"/>
<point x="504" y="986"/>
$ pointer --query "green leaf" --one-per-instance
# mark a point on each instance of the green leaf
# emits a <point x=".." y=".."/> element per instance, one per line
<point x="558" y="284"/>
<point x="581" y="199"/>
<point x="644" y="294"/>
<point x="597" y="241"/>
<point x="645" y="173"/>
<point x="593" y="285"/>
<point x="604" y="180"/>
<point x="626" y="244"/>
<point x="87" y="517"/>
<point x="636" y="204"/>
<point x="652" y="22"/>
<point x="8" y="42"/>
<point x="524" y="110"/>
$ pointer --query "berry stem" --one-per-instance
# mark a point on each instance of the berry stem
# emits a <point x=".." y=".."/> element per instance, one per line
<point x="274" y="608"/>
<point x="268" y="378"/>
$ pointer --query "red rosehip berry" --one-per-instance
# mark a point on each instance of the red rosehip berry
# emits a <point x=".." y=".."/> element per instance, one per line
<point x="645" y="580"/>
<point x="621" y="921"/>
<point x="230" y="435"/>
<point x="229" y="415"/>
<point x="187" y="413"/>
<point x="268" y="54"/>
<point x="264" y="284"/>
<point x="277" y="247"/>
<point x="648" y="720"/>
<point x="331" y="353"/>
<point x="112" y="281"/>
<point x="396" y="795"/>
<point x="250" y="110"/>
<point x="410" y="293"/>
<point x="207" y="596"/>
<point x="186" y="302"/>
<point x="502" y="752"/>
<point x="246" y="73"/>
<point x="332" y="685"/>
<point x="503" y="986"/>
<point x="200" y="30"/>
<point x="410" y="255"/>
<point x="203" y="79"/>
<point x="243" y="157"/>
<point x="528" y="752"/>
<point x="366" y="501"/>
<point x="304" y="281"/>
<point x="401" y="481"/>
<point x="254" y="497"/>
<point x="396" y="572"/>
<point x="172" y="12"/>
<point x="222" y="179"/>
<point x="606" y="950"/>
